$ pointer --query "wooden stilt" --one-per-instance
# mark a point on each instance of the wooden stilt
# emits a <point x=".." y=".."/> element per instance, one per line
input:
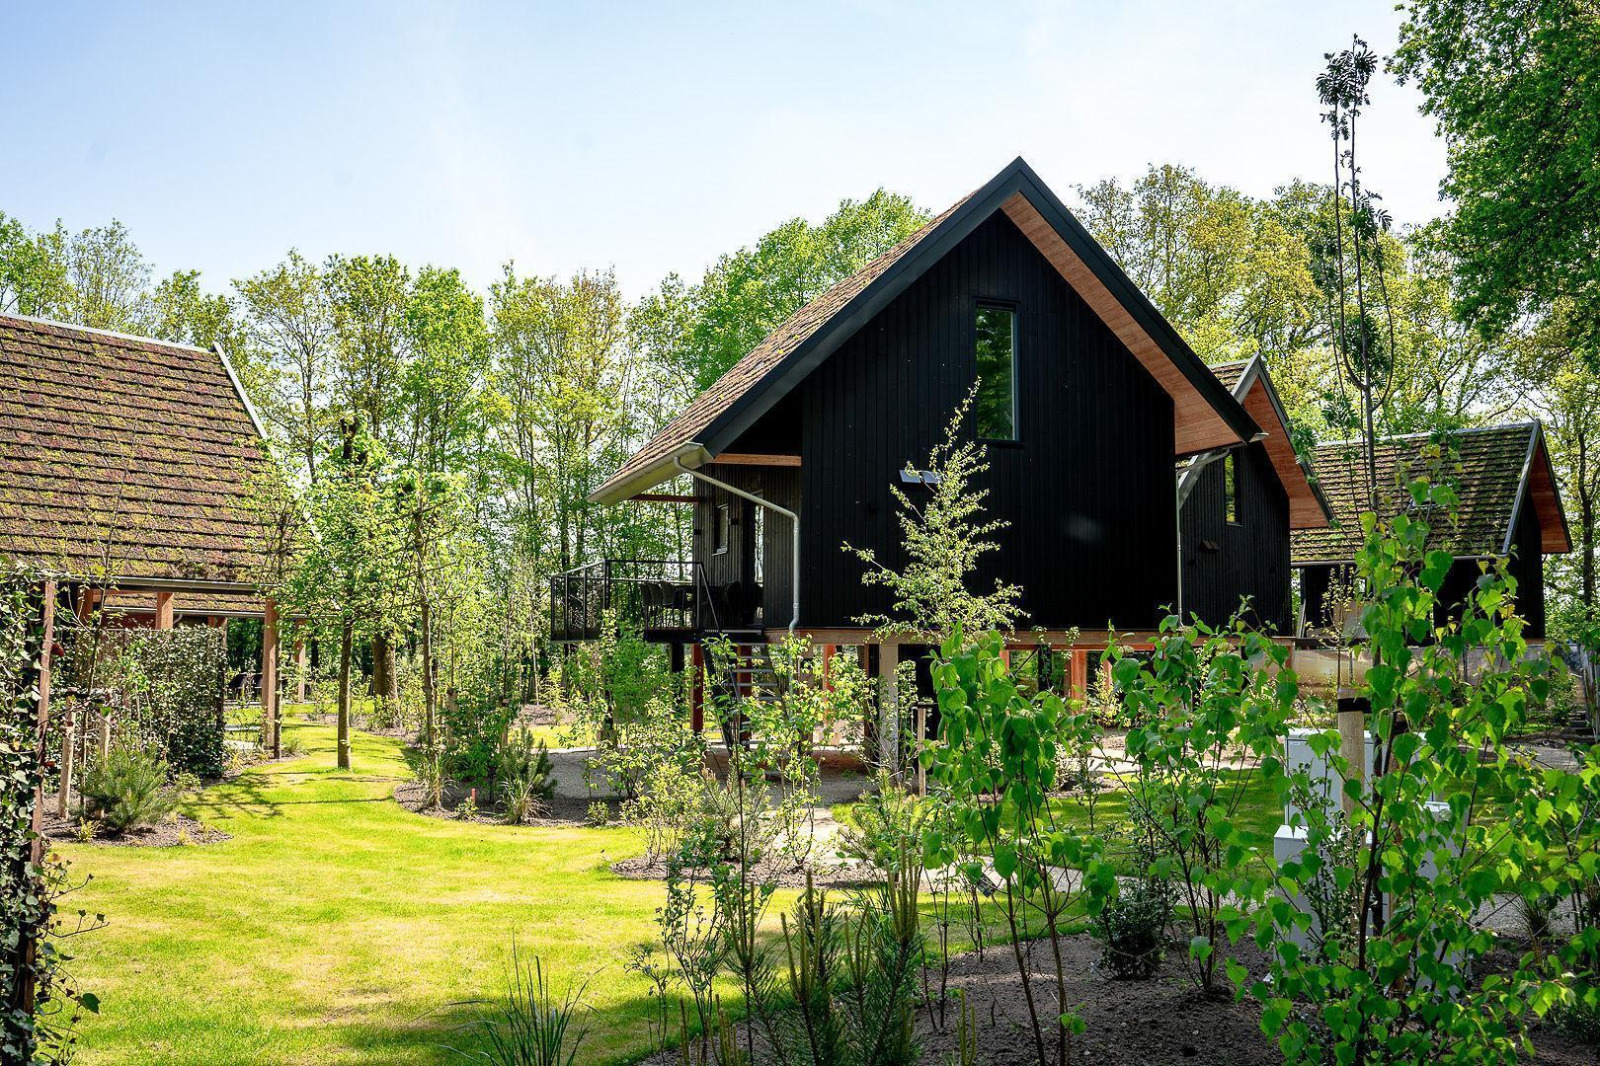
<point x="697" y="701"/>
<point x="889" y="735"/>
<point x="1080" y="673"/>
<point x="1353" y="746"/>
<point x="163" y="610"/>
<point x="271" y="727"/>
<point x="28" y="951"/>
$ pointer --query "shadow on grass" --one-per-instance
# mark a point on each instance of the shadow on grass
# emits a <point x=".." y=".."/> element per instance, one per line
<point x="616" y="1035"/>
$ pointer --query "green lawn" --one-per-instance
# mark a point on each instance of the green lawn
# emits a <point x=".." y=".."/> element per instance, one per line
<point x="336" y="927"/>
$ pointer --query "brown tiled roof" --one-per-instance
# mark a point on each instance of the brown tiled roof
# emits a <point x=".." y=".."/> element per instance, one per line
<point x="122" y="454"/>
<point x="765" y="357"/>
<point x="1230" y="373"/>
<point x="190" y="604"/>
<point x="1492" y="468"/>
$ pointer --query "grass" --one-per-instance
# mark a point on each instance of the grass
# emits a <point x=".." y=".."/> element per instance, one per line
<point x="337" y="927"/>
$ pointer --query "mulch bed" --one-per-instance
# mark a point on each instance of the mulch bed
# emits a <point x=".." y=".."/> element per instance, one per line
<point x="1128" y="1023"/>
<point x="769" y="871"/>
<point x="179" y="830"/>
<point x="559" y="812"/>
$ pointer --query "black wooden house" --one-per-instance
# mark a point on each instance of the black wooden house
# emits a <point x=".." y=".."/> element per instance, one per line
<point x="1089" y="399"/>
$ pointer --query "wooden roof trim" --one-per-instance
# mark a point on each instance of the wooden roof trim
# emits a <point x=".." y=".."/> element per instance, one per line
<point x="1197" y="425"/>
<point x="1308" y="507"/>
<point x="1538" y="484"/>
<point x="1211" y="414"/>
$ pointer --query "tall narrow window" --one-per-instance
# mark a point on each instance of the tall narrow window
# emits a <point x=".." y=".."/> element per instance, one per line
<point x="995" y="408"/>
<point x="1230" y="488"/>
<point x="719" y="531"/>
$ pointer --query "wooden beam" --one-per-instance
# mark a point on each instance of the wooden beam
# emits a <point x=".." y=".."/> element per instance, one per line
<point x="29" y="950"/>
<point x="270" y="725"/>
<point x="666" y="497"/>
<point x="163" y="610"/>
<point x="697" y="698"/>
<point x="754" y="459"/>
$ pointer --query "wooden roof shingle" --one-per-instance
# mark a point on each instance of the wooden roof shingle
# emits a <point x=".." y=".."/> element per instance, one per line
<point x="1496" y="470"/>
<point x="123" y="456"/>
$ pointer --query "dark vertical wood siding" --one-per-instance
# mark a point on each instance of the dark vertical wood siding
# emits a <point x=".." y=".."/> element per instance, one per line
<point x="1527" y="566"/>
<point x="1251" y="558"/>
<point x="781" y="485"/>
<point x="1088" y="488"/>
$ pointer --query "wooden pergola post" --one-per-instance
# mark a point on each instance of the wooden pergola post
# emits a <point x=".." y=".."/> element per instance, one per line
<point x="29" y="950"/>
<point x="163" y="610"/>
<point x="300" y="671"/>
<point x="270" y="727"/>
<point x="1080" y="673"/>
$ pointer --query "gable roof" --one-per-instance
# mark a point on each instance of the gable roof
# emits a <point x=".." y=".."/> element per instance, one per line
<point x="1496" y="470"/>
<point x="1251" y="385"/>
<point x="1206" y="415"/>
<point x="124" y="455"/>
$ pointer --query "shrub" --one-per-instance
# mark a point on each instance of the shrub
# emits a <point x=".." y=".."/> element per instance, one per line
<point x="598" y="814"/>
<point x="127" y="790"/>
<point x="1133" y="930"/>
<point x="523" y="781"/>
<point x="886" y="827"/>
<point x="170" y="683"/>
<point x="532" y="1026"/>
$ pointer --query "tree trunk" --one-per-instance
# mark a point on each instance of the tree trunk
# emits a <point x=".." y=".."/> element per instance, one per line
<point x="385" y="688"/>
<point x="344" y="696"/>
<point x="428" y="709"/>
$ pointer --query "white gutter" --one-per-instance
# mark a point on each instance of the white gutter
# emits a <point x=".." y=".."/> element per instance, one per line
<point x="794" y="519"/>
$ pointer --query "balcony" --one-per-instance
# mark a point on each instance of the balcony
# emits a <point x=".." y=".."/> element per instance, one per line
<point x="662" y="599"/>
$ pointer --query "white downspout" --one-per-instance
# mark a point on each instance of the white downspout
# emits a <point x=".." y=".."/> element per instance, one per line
<point x="794" y="519"/>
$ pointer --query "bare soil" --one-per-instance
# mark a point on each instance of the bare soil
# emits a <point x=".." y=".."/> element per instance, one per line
<point x="179" y="830"/>
<point x="1165" y="1019"/>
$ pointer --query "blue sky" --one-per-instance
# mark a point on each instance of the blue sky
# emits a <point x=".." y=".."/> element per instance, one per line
<point x="648" y="137"/>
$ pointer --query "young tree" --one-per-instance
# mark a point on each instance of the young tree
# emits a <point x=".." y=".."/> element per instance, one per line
<point x="346" y="582"/>
<point x="944" y="540"/>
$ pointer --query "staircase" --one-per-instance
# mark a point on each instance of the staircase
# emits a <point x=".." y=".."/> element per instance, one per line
<point x="749" y="675"/>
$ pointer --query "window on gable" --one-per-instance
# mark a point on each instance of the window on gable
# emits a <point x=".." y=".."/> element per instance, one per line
<point x="1230" y="488"/>
<point x="995" y="407"/>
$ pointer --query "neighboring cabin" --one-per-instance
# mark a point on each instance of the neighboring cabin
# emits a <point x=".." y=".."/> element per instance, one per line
<point x="1509" y="506"/>
<point x="1089" y="398"/>
<point x="125" y="468"/>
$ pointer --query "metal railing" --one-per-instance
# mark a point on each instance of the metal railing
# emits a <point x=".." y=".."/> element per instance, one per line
<point x="652" y="595"/>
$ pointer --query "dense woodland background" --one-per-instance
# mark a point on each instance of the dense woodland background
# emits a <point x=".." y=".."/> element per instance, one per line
<point x="441" y="440"/>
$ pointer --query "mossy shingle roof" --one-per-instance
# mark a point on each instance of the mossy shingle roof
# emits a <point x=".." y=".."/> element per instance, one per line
<point x="123" y="456"/>
<point x="1494" y="469"/>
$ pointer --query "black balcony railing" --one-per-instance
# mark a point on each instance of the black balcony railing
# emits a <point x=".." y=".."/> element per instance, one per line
<point x="655" y="596"/>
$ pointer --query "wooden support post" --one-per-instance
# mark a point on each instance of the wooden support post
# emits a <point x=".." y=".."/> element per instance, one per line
<point x="102" y="728"/>
<point x="163" y="610"/>
<point x="1080" y="673"/>
<point x="215" y="621"/>
<point x="69" y="748"/>
<point x="88" y="600"/>
<point x="300" y="672"/>
<point x="828" y="651"/>
<point x="271" y="727"/>
<point x="1353" y="746"/>
<point x="27" y="989"/>
<point x="42" y="718"/>
<point x="916" y="750"/>
<point x="889" y="734"/>
<point x="697" y="701"/>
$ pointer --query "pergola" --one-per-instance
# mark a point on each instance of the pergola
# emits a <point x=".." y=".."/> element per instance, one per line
<point x="126" y="469"/>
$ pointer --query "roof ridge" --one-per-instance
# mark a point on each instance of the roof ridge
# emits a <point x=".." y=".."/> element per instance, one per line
<point x="1463" y="431"/>
<point x="57" y="323"/>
